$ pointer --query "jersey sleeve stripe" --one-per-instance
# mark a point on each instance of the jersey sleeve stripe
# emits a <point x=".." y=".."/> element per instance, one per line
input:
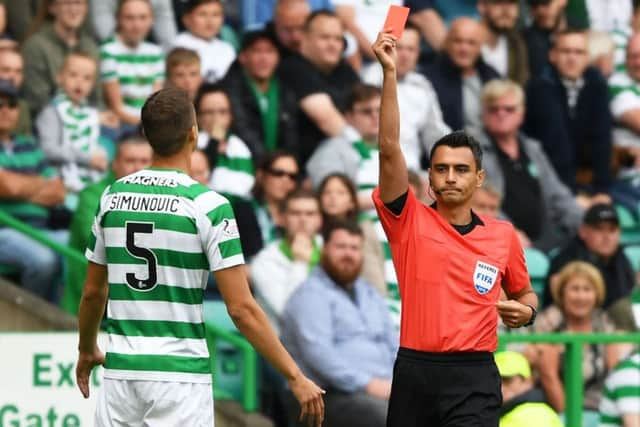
<point x="229" y="262"/>
<point x="165" y="257"/>
<point x="219" y="214"/>
<point x="145" y="362"/>
<point x="122" y="292"/>
<point x="230" y="248"/>
<point x="156" y="328"/>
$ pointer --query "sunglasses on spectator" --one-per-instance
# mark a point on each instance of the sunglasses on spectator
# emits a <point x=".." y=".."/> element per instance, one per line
<point x="8" y="103"/>
<point x="494" y="109"/>
<point x="279" y="173"/>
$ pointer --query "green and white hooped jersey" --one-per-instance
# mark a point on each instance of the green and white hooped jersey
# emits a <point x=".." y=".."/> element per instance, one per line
<point x="159" y="233"/>
<point x="366" y="181"/>
<point x="233" y="174"/>
<point x="621" y="392"/>
<point x="136" y="69"/>
<point x="81" y="128"/>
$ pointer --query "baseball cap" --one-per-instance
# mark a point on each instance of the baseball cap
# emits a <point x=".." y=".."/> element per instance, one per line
<point x="250" y="37"/>
<point x="511" y="363"/>
<point x="8" y="89"/>
<point x="601" y="212"/>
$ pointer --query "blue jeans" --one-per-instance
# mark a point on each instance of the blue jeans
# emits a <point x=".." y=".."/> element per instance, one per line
<point x="39" y="266"/>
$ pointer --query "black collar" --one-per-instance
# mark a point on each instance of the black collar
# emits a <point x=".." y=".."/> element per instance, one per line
<point x="467" y="228"/>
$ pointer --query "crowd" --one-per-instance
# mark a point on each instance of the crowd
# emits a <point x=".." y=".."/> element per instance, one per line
<point x="287" y="98"/>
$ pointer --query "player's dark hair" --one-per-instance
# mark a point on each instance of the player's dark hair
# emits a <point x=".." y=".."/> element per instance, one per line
<point x="167" y="119"/>
<point x="335" y="224"/>
<point x="459" y="139"/>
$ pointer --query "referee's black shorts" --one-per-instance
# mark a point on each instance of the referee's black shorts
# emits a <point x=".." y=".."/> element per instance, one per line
<point x="444" y="390"/>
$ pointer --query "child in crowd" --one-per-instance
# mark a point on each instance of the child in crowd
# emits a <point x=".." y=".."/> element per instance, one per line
<point x="183" y="70"/>
<point x="69" y="128"/>
<point x="230" y="158"/>
<point x="131" y="68"/>
<point x="204" y="19"/>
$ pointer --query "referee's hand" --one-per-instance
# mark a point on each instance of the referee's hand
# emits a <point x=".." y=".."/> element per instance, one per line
<point x="513" y="313"/>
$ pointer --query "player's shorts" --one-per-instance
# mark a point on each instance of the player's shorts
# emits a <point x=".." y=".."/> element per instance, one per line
<point x="134" y="403"/>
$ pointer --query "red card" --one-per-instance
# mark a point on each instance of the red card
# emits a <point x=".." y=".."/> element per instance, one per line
<point x="396" y="19"/>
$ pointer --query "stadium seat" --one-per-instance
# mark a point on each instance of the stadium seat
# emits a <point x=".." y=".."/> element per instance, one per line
<point x="633" y="254"/>
<point x="630" y="228"/>
<point x="538" y="266"/>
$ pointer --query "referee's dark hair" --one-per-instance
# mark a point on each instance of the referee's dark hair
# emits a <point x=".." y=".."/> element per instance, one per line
<point x="167" y="118"/>
<point x="335" y="224"/>
<point x="459" y="139"/>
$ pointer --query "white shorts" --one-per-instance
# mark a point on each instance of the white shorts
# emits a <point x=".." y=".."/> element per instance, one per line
<point x="134" y="403"/>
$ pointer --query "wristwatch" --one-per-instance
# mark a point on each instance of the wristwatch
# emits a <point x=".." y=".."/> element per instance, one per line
<point x="534" y="313"/>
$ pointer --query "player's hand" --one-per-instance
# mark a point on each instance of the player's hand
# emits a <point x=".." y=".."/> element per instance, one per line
<point x="513" y="313"/>
<point x="385" y="49"/>
<point x="86" y="363"/>
<point x="309" y="395"/>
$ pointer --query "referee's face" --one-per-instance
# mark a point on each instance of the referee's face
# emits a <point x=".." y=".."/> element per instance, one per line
<point x="453" y="175"/>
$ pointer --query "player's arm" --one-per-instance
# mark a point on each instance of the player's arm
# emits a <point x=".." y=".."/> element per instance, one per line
<point x="92" y="305"/>
<point x="254" y="325"/>
<point x="393" y="176"/>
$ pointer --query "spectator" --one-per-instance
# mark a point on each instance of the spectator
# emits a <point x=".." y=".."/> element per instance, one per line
<point x="487" y="201"/>
<point x="257" y="13"/>
<point x="200" y="169"/>
<point x="27" y="189"/>
<point x="548" y="19"/>
<point x="621" y="36"/>
<point x="133" y="153"/>
<point x="522" y="404"/>
<point x="183" y="70"/>
<point x="601" y="52"/>
<point x="578" y="293"/>
<point x="620" y="406"/>
<point x="601" y="15"/>
<point x="19" y="16"/>
<point x="597" y="242"/>
<point x="338" y="329"/>
<point x="103" y="19"/>
<point x="625" y="105"/>
<point x="504" y="48"/>
<point x="567" y="111"/>
<point x="364" y="19"/>
<point x="56" y="31"/>
<point x="12" y="69"/>
<point x="287" y="26"/>
<point x="259" y="219"/>
<point x="229" y="157"/>
<point x="263" y="103"/>
<point x="357" y="158"/>
<point x="131" y="68"/>
<point x="541" y="208"/>
<point x="339" y="201"/>
<point x="281" y="267"/>
<point x="203" y="20"/>
<point x="69" y="128"/>
<point x="422" y="124"/>
<point x="458" y="74"/>
<point x="320" y="80"/>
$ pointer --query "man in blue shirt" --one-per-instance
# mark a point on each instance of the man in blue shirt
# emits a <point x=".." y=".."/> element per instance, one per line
<point x="338" y="329"/>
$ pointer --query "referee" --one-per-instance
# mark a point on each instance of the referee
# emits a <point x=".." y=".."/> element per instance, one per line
<point x="451" y="264"/>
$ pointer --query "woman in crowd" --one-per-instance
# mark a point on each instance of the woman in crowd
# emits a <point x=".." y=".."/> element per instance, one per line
<point x="578" y="291"/>
<point x="338" y="199"/>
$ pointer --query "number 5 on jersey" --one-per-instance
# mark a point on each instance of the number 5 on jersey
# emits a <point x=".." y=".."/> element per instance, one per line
<point x="141" y="253"/>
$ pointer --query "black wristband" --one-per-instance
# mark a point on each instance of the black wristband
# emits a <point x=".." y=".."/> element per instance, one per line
<point x="534" y="313"/>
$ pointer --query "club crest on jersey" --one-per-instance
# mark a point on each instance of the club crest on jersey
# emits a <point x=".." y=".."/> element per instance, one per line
<point x="484" y="277"/>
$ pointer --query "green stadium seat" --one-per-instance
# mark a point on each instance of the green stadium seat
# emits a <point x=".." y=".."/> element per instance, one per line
<point x="538" y="267"/>
<point x="633" y="254"/>
<point x="629" y="227"/>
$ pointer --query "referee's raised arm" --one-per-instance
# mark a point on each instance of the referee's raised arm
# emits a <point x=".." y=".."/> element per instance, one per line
<point x="393" y="178"/>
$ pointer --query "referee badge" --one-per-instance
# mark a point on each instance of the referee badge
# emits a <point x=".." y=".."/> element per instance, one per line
<point x="484" y="277"/>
